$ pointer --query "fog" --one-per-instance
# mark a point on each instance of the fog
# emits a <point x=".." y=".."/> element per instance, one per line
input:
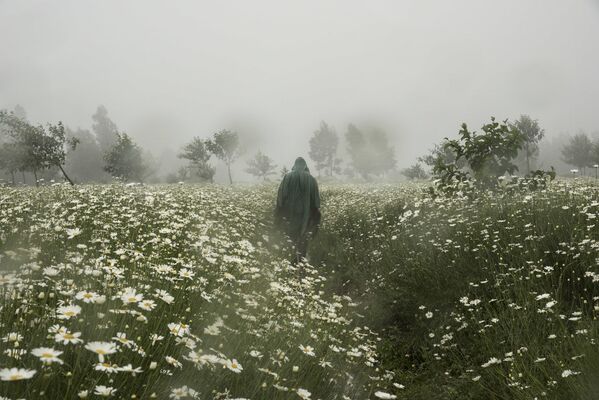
<point x="272" y="70"/>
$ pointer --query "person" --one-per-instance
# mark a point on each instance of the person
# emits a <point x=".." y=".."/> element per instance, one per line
<point x="298" y="207"/>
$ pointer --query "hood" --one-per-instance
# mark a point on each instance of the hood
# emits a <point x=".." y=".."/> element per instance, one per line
<point x="300" y="165"/>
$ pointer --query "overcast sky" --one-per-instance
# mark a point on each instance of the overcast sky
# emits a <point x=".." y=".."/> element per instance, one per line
<point x="169" y="70"/>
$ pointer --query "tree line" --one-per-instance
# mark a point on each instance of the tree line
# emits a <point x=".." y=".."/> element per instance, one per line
<point x="369" y="153"/>
<point x="42" y="151"/>
<point x="104" y="152"/>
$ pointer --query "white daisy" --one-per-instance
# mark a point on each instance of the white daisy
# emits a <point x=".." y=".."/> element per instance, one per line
<point x="101" y="349"/>
<point x="16" y="374"/>
<point x="104" y="391"/>
<point x="68" y="312"/>
<point x="308" y="350"/>
<point x="234" y="366"/>
<point x="47" y="355"/>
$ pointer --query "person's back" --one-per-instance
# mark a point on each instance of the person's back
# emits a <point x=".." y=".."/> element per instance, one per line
<point x="298" y="204"/>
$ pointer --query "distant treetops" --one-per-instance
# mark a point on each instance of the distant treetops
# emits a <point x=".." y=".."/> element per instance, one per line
<point x="32" y="148"/>
<point x="104" y="153"/>
<point x="369" y="153"/>
<point x="40" y="150"/>
<point x="224" y="145"/>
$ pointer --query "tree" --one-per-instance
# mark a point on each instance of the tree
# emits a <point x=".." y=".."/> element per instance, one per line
<point x="383" y="152"/>
<point x="55" y="148"/>
<point x="87" y="163"/>
<point x="284" y="171"/>
<point x="578" y="151"/>
<point x="38" y="149"/>
<point x="356" y="147"/>
<point x="532" y="134"/>
<point x="10" y="158"/>
<point x="414" y="172"/>
<point x="26" y="142"/>
<point x="323" y="149"/>
<point x="225" y="146"/>
<point x="124" y="160"/>
<point x="370" y="153"/>
<point x="11" y="152"/>
<point x="197" y="154"/>
<point x="486" y="156"/>
<point x="105" y="130"/>
<point x="261" y="166"/>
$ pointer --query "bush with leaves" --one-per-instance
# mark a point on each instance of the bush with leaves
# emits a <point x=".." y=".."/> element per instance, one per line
<point x="486" y="156"/>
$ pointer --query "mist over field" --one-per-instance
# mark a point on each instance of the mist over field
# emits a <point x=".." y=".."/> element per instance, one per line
<point x="273" y="71"/>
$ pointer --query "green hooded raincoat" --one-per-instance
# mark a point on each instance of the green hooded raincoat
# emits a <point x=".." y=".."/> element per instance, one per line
<point x="298" y="201"/>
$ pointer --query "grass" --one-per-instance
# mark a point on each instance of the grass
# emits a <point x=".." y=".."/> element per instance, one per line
<point x="245" y="325"/>
<point x="486" y="297"/>
<point x="486" y="271"/>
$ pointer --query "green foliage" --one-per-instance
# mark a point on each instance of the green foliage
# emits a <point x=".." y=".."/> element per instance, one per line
<point x="323" y="149"/>
<point x="54" y="151"/>
<point x="35" y="148"/>
<point x="579" y="151"/>
<point x="225" y="146"/>
<point x="196" y="152"/>
<point x="415" y="172"/>
<point x="11" y="156"/>
<point x="443" y="153"/>
<point x="261" y="166"/>
<point x="538" y="179"/>
<point x="124" y="160"/>
<point x="370" y="152"/>
<point x="532" y="134"/>
<point x="486" y="156"/>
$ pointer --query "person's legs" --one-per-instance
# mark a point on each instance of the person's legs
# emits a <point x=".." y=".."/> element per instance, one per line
<point x="301" y="247"/>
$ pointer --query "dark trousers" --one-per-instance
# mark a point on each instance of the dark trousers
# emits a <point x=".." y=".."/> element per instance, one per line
<point x="301" y="247"/>
<point x="298" y="239"/>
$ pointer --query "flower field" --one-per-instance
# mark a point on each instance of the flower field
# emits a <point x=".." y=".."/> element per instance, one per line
<point x="483" y="296"/>
<point x="186" y="292"/>
<point x="168" y="292"/>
